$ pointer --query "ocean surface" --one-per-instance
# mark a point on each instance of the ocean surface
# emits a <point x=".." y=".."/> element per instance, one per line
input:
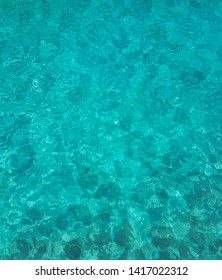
<point x="110" y="129"/>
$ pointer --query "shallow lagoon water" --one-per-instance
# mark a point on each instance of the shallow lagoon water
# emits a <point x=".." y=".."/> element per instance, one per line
<point x="111" y="129"/>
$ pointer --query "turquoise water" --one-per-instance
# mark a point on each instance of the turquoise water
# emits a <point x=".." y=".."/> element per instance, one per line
<point x="111" y="129"/>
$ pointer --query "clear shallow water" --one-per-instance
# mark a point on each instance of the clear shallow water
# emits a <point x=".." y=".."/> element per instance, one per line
<point x="110" y="129"/>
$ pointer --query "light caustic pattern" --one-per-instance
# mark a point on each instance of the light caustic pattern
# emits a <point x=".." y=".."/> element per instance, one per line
<point x="110" y="129"/>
